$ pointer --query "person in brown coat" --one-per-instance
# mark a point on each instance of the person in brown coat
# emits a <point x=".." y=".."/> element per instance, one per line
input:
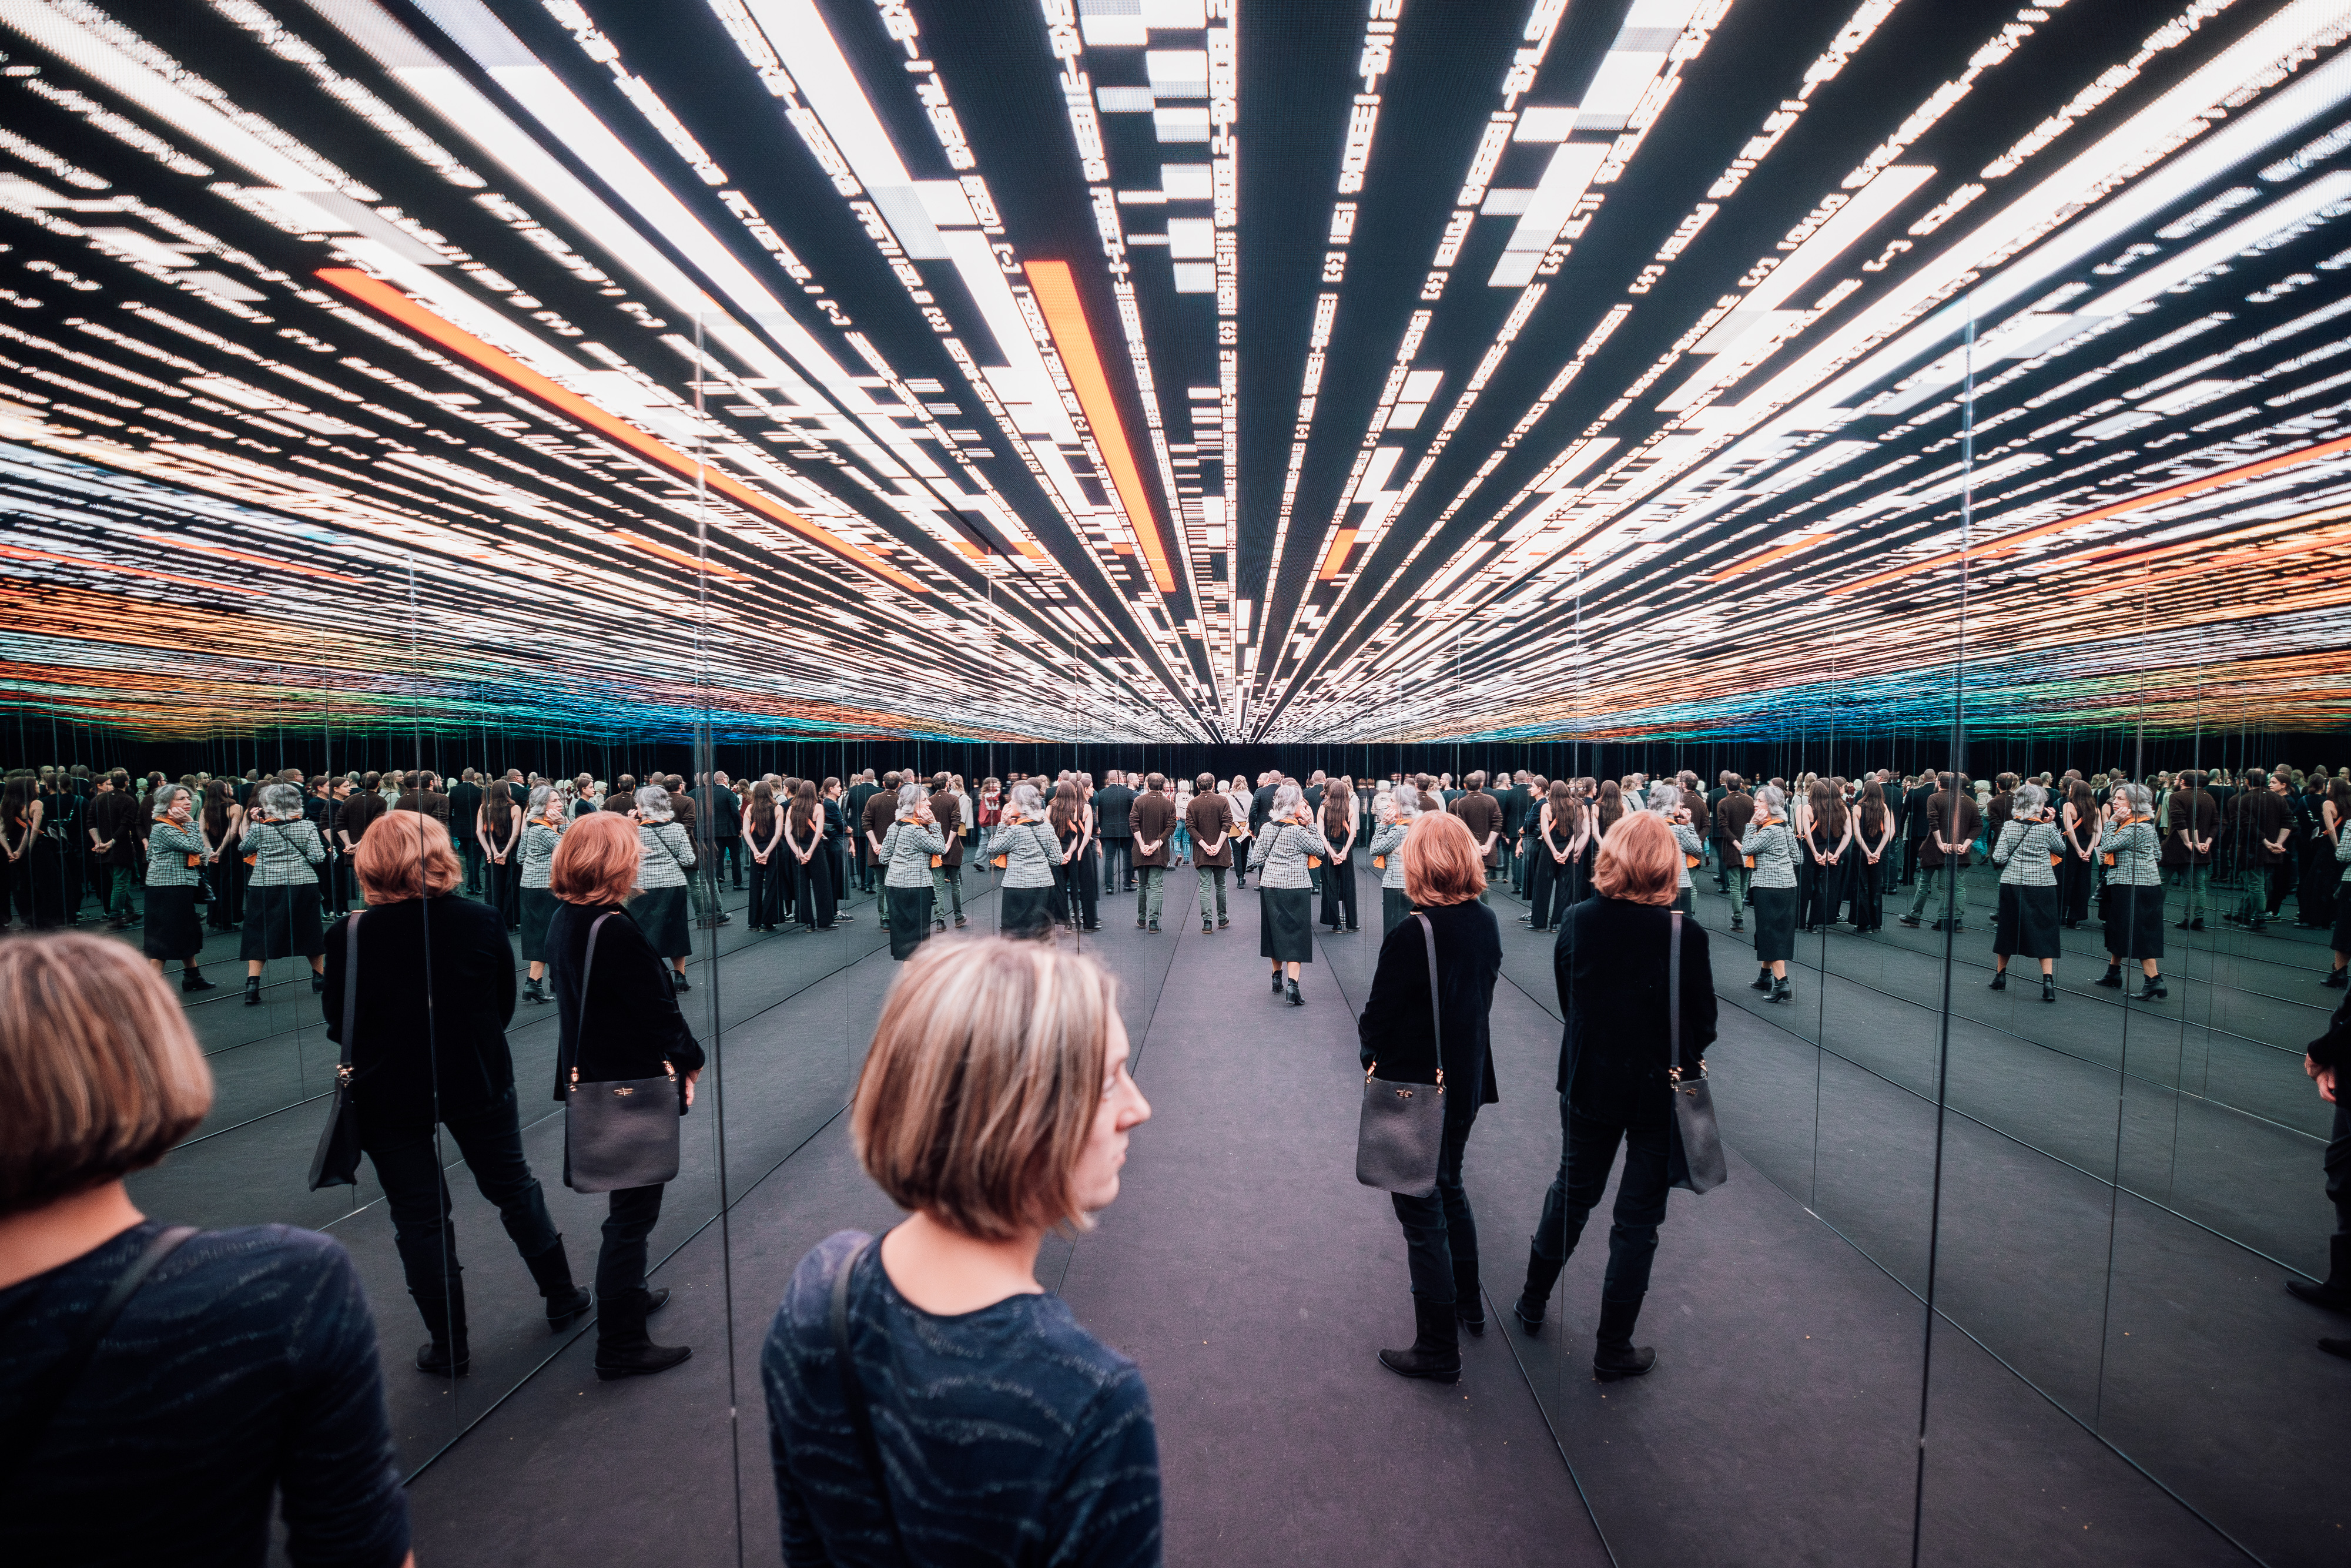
<point x="2261" y="824"/>
<point x="881" y="811"/>
<point x="2191" y="823"/>
<point x="1482" y="816"/>
<point x="1210" y="818"/>
<point x="947" y="877"/>
<point x="1951" y="823"/>
<point x="1153" y="818"/>
<point x="1732" y="815"/>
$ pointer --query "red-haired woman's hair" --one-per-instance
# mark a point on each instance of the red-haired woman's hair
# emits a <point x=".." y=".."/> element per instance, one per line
<point x="1440" y="861"/>
<point x="596" y="861"/>
<point x="1638" y="860"/>
<point x="404" y="855"/>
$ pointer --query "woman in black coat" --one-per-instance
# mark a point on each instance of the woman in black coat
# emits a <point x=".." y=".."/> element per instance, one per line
<point x="1611" y="963"/>
<point x="620" y="1020"/>
<point x="414" y="1064"/>
<point x="1400" y="1035"/>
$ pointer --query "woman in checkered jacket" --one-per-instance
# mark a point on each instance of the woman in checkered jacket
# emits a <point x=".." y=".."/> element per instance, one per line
<point x="282" y="850"/>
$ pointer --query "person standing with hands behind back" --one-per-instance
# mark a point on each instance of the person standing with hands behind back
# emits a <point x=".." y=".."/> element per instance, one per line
<point x="994" y="1106"/>
<point x="618" y="1020"/>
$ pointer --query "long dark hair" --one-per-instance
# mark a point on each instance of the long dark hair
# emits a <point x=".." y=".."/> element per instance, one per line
<point x="806" y="813"/>
<point x="1873" y="808"/>
<point x="1338" y="796"/>
<point x="497" y="804"/>
<point x="763" y="807"/>
<point x="1566" y="810"/>
<point x="1828" y="809"/>
<point x="216" y="804"/>
<point x="1612" y="804"/>
<point x="1065" y="808"/>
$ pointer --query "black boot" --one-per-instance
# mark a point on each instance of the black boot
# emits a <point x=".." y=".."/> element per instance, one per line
<point x="2048" y="987"/>
<point x="2336" y="978"/>
<point x="1542" y="1273"/>
<point x="193" y="980"/>
<point x="1290" y="989"/>
<point x="1468" y="1298"/>
<point x="2112" y="979"/>
<point x="552" y="1271"/>
<point x="318" y="981"/>
<point x="2334" y="1291"/>
<point x="1613" y="1354"/>
<point x="621" y="1348"/>
<point x="2000" y="979"/>
<point x="253" y="990"/>
<point x="1436" y="1349"/>
<point x="1277" y="977"/>
<point x="1762" y="979"/>
<point x="2154" y="991"/>
<point x="443" y="1311"/>
<point x="1780" y="991"/>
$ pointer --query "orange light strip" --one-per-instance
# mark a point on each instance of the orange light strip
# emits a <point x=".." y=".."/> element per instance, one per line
<point x="1342" y="542"/>
<point x="111" y="568"/>
<point x="1769" y="555"/>
<point x="2007" y="542"/>
<point x="572" y="405"/>
<point x="227" y="554"/>
<point x="1065" y="318"/>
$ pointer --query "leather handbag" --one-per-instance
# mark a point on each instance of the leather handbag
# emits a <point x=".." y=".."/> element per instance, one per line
<point x="622" y="1131"/>
<point x="1402" y="1128"/>
<point x="1696" y="1161"/>
<point x="336" y="1161"/>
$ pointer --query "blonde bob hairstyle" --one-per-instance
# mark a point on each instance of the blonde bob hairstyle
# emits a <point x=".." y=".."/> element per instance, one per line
<point x="596" y="860"/>
<point x="404" y="855"/>
<point x="1639" y="860"/>
<point x="1441" y="865"/>
<point x="99" y="1074"/>
<point x="982" y="1081"/>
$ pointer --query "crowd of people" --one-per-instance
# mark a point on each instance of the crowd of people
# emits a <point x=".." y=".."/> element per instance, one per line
<point x="995" y="1103"/>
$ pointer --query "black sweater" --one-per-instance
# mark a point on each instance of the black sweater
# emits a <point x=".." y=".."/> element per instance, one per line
<point x="630" y="1025"/>
<point x="394" y="1058"/>
<point x="1395" y="1028"/>
<point x="1610" y="963"/>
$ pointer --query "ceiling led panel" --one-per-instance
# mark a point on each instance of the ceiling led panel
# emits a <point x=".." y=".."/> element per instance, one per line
<point x="1125" y="369"/>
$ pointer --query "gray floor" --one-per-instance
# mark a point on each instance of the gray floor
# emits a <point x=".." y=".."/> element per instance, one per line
<point x="1253" y="1279"/>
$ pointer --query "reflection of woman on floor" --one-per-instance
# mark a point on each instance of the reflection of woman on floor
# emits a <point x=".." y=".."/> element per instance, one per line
<point x="2129" y="847"/>
<point x="2031" y="843"/>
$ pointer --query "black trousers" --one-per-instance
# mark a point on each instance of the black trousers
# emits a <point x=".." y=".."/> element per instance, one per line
<point x="1118" y="863"/>
<point x="1554" y="889"/>
<point x="621" y="1262"/>
<point x="1868" y="893"/>
<point x="506" y="890"/>
<point x="1587" y="1152"/>
<point x="730" y="856"/>
<point x="409" y="1166"/>
<point x="1440" y="1234"/>
<point x="816" y="903"/>
<point x="1339" y="895"/>
<point x="767" y="907"/>
<point x="470" y="848"/>
<point x="1085" y="889"/>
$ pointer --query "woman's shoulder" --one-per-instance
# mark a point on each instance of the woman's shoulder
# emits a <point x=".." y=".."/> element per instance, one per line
<point x="258" y="1274"/>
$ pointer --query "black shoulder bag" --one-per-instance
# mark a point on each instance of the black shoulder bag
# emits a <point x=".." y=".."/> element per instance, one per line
<point x="621" y="1133"/>
<point x="1696" y="1161"/>
<point x="853" y="1395"/>
<point x="336" y="1161"/>
<point x="1402" y="1130"/>
<point x="49" y="1395"/>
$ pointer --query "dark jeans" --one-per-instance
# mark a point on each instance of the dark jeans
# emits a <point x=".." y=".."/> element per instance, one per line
<point x="1440" y="1234"/>
<point x="1588" y="1150"/>
<point x="470" y="848"/>
<point x="409" y="1166"/>
<point x="621" y="1262"/>
<point x="1118" y="863"/>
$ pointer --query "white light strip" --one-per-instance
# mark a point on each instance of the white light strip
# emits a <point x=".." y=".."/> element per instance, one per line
<point x="2241" y="235"/>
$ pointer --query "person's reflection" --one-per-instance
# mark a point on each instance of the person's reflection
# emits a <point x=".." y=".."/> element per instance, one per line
<point x="2324" y="1061"/>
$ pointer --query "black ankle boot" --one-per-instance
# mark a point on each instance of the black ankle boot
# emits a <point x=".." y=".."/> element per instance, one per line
<point x="193" y="980"/>
<point x="2112" y="979"/>
<point x="2333" y="1291"/>
<point x="1762" y="979"/>
<point x="1290" y="990"/>
<point x="622" y="1349"/>
<point x="1614" y="1356"/>
<point x="1468" y="1299"/>
<point x="551" y="1270"/>
<point x="1542" y="1273"/>
<point x="2000" y="979"/>
<point x="2155" y="990"/>
<point x="1436" y="1349"/>
<point x="2048" y="987"/>
<point x="1780" y="991"/>
<point x="443" y="1311"/>
<point x="1277" y="982"/>
<point x="253" y="990"/>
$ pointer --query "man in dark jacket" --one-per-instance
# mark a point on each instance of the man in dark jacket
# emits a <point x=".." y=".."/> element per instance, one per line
<point x="1152" y="821"/>
<point x="1951" y="823"/>
<point x="1914" y="824"/>
<point x="1112" y="803"/>
<point x="2261" y="827"/>
<point x="464" y="806"/>
<point x="881" y="810"/>
<point x="1484" y="820"/>
<point x="861" y="790"/>
<point x="114" y="823"/>
<point x="1732" y="813"/>
<point x="421" y="792"/>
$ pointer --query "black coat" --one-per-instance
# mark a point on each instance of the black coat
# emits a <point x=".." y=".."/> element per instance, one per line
<point x="395" y="1062"/>
<point x="1610" y="963"/>
<point x="1395" y="1028"/>
<point x="630" y="1024"/>
<point x="1112" y="804"/>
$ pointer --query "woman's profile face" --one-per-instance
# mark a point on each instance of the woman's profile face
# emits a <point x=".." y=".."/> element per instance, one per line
<point x="1121" y="1108"/>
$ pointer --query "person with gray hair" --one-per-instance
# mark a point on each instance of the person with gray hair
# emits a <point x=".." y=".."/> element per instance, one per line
<point x="176" y="852"/>
<point x="1666" y="800"/>
<point x="907" y="848"/>
<point x="658" y="907"/>
<point x="1286" y="889"/>
<point x="2132" y="849"/>
<point x="283" y="849"/>
<point x="1769" y="848"/>
<point x="2026" y="920"/>
<point x="542" y="829"/>
<point x="1393" y="812"/>
<point x="1025" y="851"/>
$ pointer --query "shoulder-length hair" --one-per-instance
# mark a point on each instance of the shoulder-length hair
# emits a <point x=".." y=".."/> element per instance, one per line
<point x="1638" y="860"/>
<point x="404" y="855"/>
<point x="653" y="804"/>
<point x="596" y="861"/>
<point x="982" y="1083"/>
<point x="99" y="1074"/>
<point x="1441" y="865"/>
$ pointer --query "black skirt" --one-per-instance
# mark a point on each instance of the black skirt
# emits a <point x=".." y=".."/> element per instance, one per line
<point x="1284" y="925"/>
<point x="537" y="908"/>
<point x="170" y="929"/>
<point x="2134" y="921"/>
<point x="2025" y="925"/>
<point x="282" y="922"/>
<point x="2341" y="940"/>
<point x="660" y="913"/>
<point x="1026" y="911"/>
<point x="910" y="920"/>
<point x="1775" y="923"/>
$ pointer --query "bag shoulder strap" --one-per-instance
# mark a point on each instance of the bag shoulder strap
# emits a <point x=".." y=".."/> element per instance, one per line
<point x="852" y="1393"/>
<point x="1436" y="999"/>
<point x="35" y="1422"/>
<point x="587" y="972"/>
<point x="350" y="983"/>
<point x="1673" y="991"/>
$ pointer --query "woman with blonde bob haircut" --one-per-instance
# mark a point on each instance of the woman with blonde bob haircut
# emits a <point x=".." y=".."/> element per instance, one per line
<point x="239" y="1363"/>
<point x="995" y="1104"/>
<point x="1435" y="987"/>
<point x="1612" y="961"/>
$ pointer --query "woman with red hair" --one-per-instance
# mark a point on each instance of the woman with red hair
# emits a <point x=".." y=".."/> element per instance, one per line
<point x="1434" y="988"/>
<point x="1612" y="963"/>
